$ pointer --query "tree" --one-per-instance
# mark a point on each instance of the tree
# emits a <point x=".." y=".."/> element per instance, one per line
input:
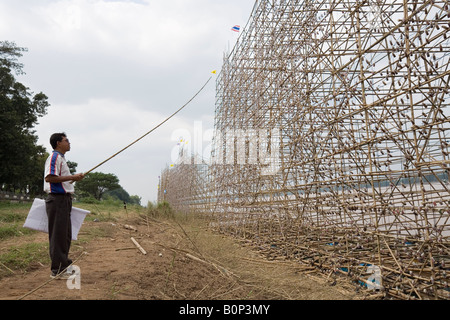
<point x="72" y="166"/>
<point x="9" y="56"/>
<point x="33" y="178"/>
<point x="135" y="200"/>
<point x="20" y="157"/>
<point x="96" y="184"/>
<point x="120" y="194"/>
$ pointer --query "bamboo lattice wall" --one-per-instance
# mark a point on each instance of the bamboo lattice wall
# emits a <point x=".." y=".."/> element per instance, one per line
<point x="331" y="141"/>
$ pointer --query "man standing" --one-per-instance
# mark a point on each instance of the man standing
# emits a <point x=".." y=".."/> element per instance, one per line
<point x="58" y="185"/>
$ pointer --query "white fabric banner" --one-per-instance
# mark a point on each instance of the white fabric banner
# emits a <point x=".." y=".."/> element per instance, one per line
<point x="37" y="218"/>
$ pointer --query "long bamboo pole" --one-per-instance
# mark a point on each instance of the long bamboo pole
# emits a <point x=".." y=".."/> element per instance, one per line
<point x="153" y="129"/>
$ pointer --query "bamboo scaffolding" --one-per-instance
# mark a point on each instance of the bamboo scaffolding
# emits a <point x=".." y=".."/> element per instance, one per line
<point x="331" y="144"/>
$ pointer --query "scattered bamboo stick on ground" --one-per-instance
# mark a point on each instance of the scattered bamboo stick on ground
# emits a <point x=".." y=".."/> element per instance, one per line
<point x="7" y="268"/>
<point x="138" y="246"/>
<point x="127" y="248"/>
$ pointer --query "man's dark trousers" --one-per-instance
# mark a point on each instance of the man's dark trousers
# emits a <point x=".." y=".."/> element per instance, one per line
<point x="58" y="208"/>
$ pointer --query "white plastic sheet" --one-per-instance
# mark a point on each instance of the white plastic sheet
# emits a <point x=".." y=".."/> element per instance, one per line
<point x="37" y="218"/>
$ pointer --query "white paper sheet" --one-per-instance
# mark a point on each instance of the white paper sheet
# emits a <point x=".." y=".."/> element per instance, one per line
<point x="37" y="218"/>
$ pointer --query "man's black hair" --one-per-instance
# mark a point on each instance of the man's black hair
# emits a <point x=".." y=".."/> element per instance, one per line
<point x="55" y="138"/>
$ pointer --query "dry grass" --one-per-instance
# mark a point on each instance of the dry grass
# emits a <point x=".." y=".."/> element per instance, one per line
<point x="286" y="280"/>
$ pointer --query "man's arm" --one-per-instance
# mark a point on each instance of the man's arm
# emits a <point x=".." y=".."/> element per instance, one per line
<point x="57" y="179"/>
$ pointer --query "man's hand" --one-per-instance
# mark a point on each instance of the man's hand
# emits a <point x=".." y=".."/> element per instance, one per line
<point x="77" y="177"/>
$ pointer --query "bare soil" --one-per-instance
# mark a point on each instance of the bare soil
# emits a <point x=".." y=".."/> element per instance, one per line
<point x="181" y="263"/>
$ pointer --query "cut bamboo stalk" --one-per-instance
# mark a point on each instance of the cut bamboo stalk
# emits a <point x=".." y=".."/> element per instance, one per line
<point x="138" y="246"/>
<point x="7" y="268"/>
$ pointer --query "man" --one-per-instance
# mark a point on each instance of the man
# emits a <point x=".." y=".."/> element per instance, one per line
<point x="59" y="187"/>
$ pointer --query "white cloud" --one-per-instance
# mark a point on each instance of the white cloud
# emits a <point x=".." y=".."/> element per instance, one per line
<point x="161" y="32"/>
<point x="114" y="69"/>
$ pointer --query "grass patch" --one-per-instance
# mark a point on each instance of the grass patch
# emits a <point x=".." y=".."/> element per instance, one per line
<point x="12" y="218"/>
<point x="107" y="210"/>
<point x="23" y="258"/>
<point x="13" y="212"/>
<point x="160" y="211"/>
<point x="13" y="230"/>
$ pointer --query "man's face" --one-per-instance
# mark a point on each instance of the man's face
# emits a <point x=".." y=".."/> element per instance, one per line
<point x="64" y="144"/>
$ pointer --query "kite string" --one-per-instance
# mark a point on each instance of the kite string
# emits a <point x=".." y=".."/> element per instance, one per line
<point x="159" y="125"/>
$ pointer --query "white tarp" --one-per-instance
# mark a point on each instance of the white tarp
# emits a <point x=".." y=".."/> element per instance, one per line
<point x="37" y="218"/>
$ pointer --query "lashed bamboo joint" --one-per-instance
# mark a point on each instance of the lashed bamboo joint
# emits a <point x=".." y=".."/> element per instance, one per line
<point x="351" y="174"/>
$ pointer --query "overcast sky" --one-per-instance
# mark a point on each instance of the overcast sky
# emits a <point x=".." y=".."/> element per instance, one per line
<point x="114" y="69"/>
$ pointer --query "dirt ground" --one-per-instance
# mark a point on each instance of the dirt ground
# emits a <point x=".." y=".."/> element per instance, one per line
<point x="179" y="264"/>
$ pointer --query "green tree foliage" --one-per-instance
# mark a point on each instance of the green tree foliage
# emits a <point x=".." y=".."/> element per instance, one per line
<point x="21" y="160"/>
<point x="72" y="166"/>
<point x="96" y="184"/>
<point x="120" y="194"/>
<point x="103" y="186"/>
<point x="124" y="196"/>
<point x="9" y="56"/>
<point x="135" y="200"/>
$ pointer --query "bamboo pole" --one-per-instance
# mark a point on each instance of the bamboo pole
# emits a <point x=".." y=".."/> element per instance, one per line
<point x="138" y="246"/>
